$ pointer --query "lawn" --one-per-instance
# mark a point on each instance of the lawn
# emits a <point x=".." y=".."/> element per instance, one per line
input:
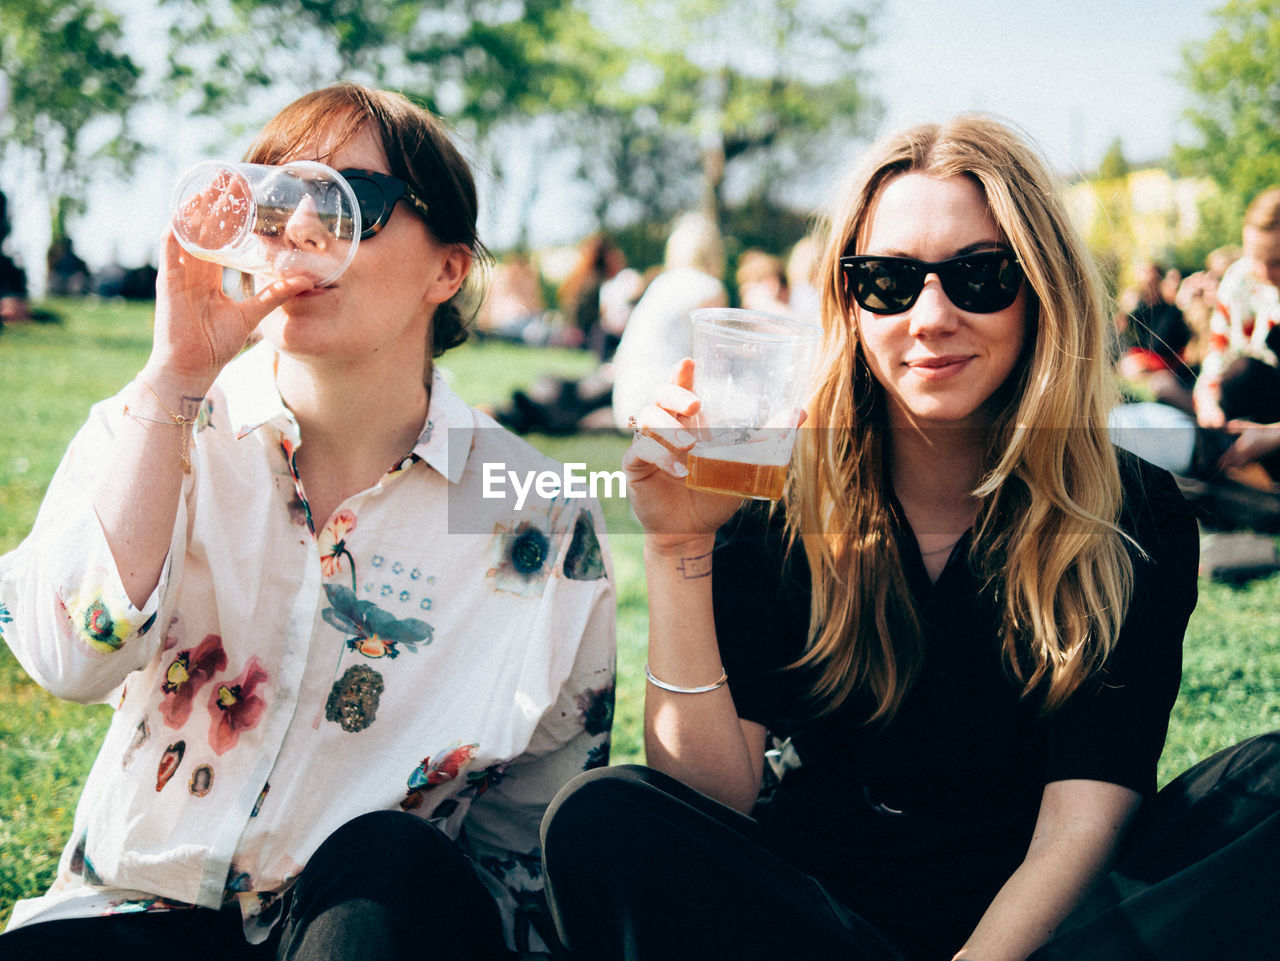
<point x="49" y="376"/>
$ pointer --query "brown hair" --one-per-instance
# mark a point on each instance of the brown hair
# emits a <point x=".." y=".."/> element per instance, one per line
<point x="1046" y="536"/>
<point x="1263" y="212"/>
<point x="418" y="151"/>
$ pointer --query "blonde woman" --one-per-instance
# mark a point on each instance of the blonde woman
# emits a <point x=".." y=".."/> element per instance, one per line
<point x="956" y="646"/>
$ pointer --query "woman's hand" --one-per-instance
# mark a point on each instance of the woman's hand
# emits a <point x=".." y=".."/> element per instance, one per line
<point x="198" y="328"/>
<point x="1208" y="412"/>
<point x="1253" y="442"/>
<point x="671" y="513"/>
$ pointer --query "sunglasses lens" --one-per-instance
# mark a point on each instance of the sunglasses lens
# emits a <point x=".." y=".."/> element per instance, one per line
<point x="983" y="283"/>
<point x="883" y="286"/>
<point x="372" y="203"/>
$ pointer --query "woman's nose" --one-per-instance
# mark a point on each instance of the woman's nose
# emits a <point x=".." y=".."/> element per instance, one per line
<point x="932" y="313"/>
<point x="304" y="231"/>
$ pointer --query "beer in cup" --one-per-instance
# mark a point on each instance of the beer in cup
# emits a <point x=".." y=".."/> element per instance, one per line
<point x="751" y="372"/>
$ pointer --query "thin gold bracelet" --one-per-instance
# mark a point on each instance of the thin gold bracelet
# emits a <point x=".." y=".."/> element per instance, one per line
<point x="180" y="421"/>
<point x="676" y="689"/>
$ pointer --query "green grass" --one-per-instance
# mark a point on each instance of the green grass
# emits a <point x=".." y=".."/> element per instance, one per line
<point x="51" y="374"/>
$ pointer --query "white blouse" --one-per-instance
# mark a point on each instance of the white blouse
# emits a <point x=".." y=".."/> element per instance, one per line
<point x="430" y="649"/>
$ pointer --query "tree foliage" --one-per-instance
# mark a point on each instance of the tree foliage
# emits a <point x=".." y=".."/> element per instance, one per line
<point x="68" y="77"/>
<point x="658" y="99"/>
<point x="477" y="61"/>
<point x="1233" y="77"/>
<point x="755" y="88"/>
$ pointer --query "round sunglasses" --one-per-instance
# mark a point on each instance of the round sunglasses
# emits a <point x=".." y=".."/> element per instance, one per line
<point x="376" y="195"/>
<point x="980" y="283"/>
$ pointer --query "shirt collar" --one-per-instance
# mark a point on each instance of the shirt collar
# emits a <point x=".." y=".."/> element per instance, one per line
<point x="447" y="439"/>
<point x="253" y="400"/>
<point x="252" y="397"/>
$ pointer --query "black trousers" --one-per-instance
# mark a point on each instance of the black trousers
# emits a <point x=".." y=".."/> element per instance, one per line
<point x="640" y="866"/>
<point x="384" y="886"/>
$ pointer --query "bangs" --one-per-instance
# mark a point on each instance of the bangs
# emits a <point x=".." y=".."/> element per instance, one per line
<point x="297" y="129"/>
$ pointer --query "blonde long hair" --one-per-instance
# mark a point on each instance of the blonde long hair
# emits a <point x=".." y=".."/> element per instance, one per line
<point x="1046" y="537"/>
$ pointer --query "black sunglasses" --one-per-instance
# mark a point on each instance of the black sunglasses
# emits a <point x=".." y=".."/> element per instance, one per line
<point x="981" y="283"/>
<point x="376" y="196"/>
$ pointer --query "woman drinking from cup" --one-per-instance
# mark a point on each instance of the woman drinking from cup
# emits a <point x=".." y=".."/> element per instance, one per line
<point x="345" y="685"/>
<point x="949" y="656"/>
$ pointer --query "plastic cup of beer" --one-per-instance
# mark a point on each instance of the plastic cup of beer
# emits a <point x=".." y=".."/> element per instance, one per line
<point x="295" y="219"/>
<point x="751" y="371"/>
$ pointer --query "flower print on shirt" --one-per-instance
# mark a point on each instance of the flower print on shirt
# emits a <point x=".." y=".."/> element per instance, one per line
<point x="186" y="675"/>
<point x="595" y="707"/>
<point x="80" y="865"/>
<point x="169" y="763"/>
<point x="354" y="698"/>
<point x="584" y="560"/>
<point x="103" y="629"/>
<point x="235" y="707"/>
<point x="204" y="417"/>
<point x="521" y="554"/>
<point x="333" y="543"/>
<point x="5" y="618"/>
<point x="299" y="509"/>
<point x="374" y="632"/>
<point x="141" y="735"/>
<point x="431" y="773"/>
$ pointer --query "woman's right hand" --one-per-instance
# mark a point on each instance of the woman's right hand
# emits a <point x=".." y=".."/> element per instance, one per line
<point x="671" y="513"/>
<point x="199" y="329"/>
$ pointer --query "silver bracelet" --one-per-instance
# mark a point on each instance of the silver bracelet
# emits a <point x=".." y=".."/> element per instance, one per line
<point x="675" y="689"/>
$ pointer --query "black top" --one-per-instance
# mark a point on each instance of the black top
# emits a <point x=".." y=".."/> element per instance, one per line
<point x="916" y="824"/>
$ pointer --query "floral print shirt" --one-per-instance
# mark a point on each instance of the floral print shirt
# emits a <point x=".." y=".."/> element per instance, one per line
<point x="428" y="648"/>
<point x="1247" y="311"/>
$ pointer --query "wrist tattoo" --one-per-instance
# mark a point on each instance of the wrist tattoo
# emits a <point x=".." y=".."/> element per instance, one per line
<point x="189" y="406"/>
<point x="694" y="567"/>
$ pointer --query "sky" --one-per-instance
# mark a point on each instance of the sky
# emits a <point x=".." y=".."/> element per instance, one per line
<point x="1073" y="75"/>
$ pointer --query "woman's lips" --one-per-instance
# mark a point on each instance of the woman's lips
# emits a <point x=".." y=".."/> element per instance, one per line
<point x="314" y="292"/>
<point x="939" y="368"/>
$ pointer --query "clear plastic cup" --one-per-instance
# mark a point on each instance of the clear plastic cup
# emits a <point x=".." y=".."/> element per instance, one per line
<point x="751" y="371"/>
<point x="295" y="219"/>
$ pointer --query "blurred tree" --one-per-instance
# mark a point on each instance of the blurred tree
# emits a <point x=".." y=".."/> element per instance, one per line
<point x="1111" y="233"/>
<point x="473" y="60"/>
<point x="1113" y="165"/>
<point x="491" y="66"/>
<point x="756" y="90"/>
<point x="1233" y="77"/>
<point x="71" y="90"/>
<point x="654" y="113"/>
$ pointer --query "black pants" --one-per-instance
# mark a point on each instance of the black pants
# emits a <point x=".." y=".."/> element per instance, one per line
<point x="640" y="866"/>
<point x="385" y="885"/>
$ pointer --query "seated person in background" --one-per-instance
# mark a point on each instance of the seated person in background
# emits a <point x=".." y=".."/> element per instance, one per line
<point x="345" y="683"/>
<point x="1239" y="384"/>
<point x="659" y="332"/>
<point x="954" y="646"/>
<point x="13" y="279"/>
<point x="802" y="278"/>
<point x="1197" y="296"/>
<point x="513" y="305"/>
<point x="1156" y="335"/>
<point x="762" y="282"/>
<point x="578" y="296"/>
